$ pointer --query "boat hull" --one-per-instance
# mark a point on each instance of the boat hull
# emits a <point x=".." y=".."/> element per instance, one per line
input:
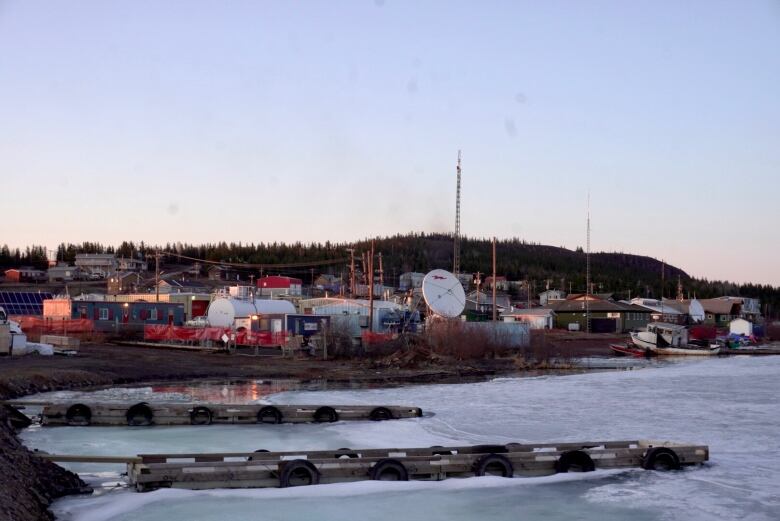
<point x="673" y="351"/>
<point x="628" y="350"/>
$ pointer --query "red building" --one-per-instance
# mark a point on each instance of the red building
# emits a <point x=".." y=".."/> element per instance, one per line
<point x="274" y="285"/>
<point x="25" y="275"/>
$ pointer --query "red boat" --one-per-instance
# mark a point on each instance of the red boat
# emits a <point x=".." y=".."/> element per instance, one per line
<point x="630" y="350"/>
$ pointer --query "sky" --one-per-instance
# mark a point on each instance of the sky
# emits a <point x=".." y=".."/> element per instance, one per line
<point x="202" y="121"/>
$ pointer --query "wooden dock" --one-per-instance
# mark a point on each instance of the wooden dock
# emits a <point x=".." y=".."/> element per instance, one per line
<point x="178" y="413"/>
<point x="261" y="468"/>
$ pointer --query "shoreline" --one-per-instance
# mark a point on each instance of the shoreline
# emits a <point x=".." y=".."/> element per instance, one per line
<point x="31" y="484"/>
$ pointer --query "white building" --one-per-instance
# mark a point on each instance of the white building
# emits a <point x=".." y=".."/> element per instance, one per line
<point x="536" y="318"/>
<point x="100" y="263"/>
<point x="551" y="295"/>
<point x="410" y="280"/>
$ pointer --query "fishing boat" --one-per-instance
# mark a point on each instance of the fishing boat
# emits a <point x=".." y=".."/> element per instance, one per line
<point x="670" y="339"/>
<point x="630" y="350"/>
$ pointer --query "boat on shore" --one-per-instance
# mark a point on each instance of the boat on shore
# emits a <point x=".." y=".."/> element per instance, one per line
<point x="630" y="350"/>
<point x="670" y="339"/>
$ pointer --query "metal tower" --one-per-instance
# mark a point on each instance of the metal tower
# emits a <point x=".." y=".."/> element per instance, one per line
<point x="456" y="247"/>
<point x="587" y="274"/>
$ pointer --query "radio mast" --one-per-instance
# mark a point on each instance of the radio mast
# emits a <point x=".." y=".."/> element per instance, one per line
<point x="456" y="247"/>
<point x="587" y="273"/>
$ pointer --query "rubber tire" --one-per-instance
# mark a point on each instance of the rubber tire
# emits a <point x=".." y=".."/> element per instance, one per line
<point x="139" y="409"/>
<point x="250" y="458"/>
<point x="76" y="410"/>
<point x="326" y="414"/>
<point x="659" y="454"/>
<point x="383" y="466"/>
<point x="380" y="414"/>
<point x="482" y="464"/>
<point x="345" y="452"/>
<point x="574" y="458"/>
<point x="269" y="411"/>
<point x="199" y="412"/>
<point x="296" y="468"/>
<point x="442" y="452"/>
<point x="489" y="449"/>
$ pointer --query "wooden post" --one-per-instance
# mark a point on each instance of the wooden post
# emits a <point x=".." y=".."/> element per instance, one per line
<point x="157" y="276"/>
<point x="371" y="290"/>
<point x="494" y="280"/>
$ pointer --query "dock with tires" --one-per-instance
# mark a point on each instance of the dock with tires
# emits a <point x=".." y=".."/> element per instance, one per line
<point x="177" y="413"/>
<point x="262" y="469"/>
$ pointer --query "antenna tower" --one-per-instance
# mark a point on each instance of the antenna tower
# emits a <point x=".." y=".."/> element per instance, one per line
<point x="587" y="272"/>
<point x="456" y="247"/>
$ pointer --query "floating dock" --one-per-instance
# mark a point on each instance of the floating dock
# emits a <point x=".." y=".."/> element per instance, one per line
<point x="178" y="413"/>
<point x="262" y="469"/>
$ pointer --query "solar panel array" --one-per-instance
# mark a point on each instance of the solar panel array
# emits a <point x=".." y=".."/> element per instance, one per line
<point x="23" y="302"/>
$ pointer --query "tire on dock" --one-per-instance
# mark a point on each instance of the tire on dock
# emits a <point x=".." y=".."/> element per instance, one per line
<point x="494" y="465"/>
<point x="269" y="414"/>
<point x="79" y="414"/>
<point x="139" y="415"/>
<point x="575" y="460"/>
<point x="661" y="458"/>
<point x="326" y="414"/>
<point x="298" y="473"/>
<point x="201" y="416"/>
<point x="380" y="414"/>
<point x="388" y="469"/>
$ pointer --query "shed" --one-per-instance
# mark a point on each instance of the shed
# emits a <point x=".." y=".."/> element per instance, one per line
<point x="740" y="326"/>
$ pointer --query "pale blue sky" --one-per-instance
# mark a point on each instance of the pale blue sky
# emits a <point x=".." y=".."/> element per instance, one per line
<point x="284" y="121"/>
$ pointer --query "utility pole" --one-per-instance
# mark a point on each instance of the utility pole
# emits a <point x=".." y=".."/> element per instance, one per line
<point x="456" y="242"/>
<point x="351" y="272"/>
<point x="381" y="273"/>
<point x="494" y="281"/>
<point x="157" y="276"/>
<point x="371" y="290"/>
<point x="587" y="273"/>
<point x="478" y="281"/>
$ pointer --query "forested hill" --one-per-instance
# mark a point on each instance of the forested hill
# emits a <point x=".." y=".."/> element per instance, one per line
<point x="517" y="260"/>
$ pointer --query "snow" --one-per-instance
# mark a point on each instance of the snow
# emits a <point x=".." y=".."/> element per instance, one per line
<point x="728" y="403"/>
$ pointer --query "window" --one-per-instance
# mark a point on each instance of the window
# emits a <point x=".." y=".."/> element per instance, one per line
<point x="153" y="314"/>
<point x="103" y="313"/>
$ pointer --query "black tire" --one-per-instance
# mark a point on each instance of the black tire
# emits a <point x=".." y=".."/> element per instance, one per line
<point x="345" y="452"/>
<point x="326" y="415"/>
<point x="201" y="416"/>
<point x="269" y="414"/>
<point x="661" y="458"/>
<point x="79" y="414"/>
<point x="297" y="473"/>
<point x="494" y="465"/>
<point x="439" y="450"/>
<point x="139" y="415"/>
<point x="419" y="412"/>
<point x="381" y="413"/>
<point x="576" y="461"/>
<point x="388" y="469"/>
<point x="489" y="449"/>
<point x="250" y="458"/>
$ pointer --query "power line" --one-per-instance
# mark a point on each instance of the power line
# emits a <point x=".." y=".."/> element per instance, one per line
<point x="258" y="266"/>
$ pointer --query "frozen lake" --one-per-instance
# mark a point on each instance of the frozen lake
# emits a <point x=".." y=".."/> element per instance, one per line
<point x="731" y="404"/>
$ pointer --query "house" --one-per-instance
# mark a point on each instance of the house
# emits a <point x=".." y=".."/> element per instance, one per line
<point x="25" y="274"/>
<point x="501" y="283"/>
<point x="111" y="315"/>
<point x="410" y="280"/>
<point x="125" y="282"/>
<point x="606" y="316"/>
<point x="182" y="286"/>
<point x="538" y="318"/>
<point x="63" y="273"/>
<point x="224" y="273"/>
<point x="660" y="311"/>
<point x="551" y="295"/>
<point x="99" y="263"/>
<point x="750" y="308"/>
<point x="691" y="307"/>
<point x="130" y="264"/>
<point x="720" y="312"/>
<point x="328" y="282"/>
<point x="275" y="285"/>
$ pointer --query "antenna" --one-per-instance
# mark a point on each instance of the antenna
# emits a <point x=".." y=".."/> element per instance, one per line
<point x="587" y="273"/>
<point x="456" y="246"/>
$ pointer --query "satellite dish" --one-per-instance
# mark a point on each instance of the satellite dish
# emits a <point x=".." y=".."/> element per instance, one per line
<point x="444" y="293"/>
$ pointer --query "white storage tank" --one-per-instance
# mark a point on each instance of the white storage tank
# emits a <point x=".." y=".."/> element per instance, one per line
<point x="230" y="312"/>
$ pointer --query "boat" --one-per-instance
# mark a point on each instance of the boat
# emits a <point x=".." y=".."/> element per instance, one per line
<point x="670" y="339"/>
<point x="630" y="350"/>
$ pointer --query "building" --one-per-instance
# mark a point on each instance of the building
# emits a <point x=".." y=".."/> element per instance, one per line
<point x="661" y="312"/>
<point x="102" y="264"/>
<point x="182" y="286"/>
<point x="606" y="316"/>
<point x="410" y="280"/>
<point x="276" y="285"/>
<point x="741" y="327"/>
<point x="328" y="282"/>
<point x="690" y="307"/>
<point x="63" y="273"/>
<point x="501" y="283"/>
<point x="125" y="282"/>
<point x="224" y="273"/>
<point x="750" y="308"/>
<point x="551" y="295"/>
<point x="353" y="314"/>
<point x="115" y="315"/>
<point x="538" y="318"/>
<point x="130" y="264"/>
<point x="719" y="312"/>
<point x="25" y="274"/>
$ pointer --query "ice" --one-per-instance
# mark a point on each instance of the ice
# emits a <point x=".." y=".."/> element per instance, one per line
<point x="729" y="404"/>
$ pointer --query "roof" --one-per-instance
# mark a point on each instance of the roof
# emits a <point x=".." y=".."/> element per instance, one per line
<point x="187" y="283"/>
<point x="656" y="306"/>
<point x="536" y="312"/>
<point x="595" y="305"/>
<point x="720" y="307"/>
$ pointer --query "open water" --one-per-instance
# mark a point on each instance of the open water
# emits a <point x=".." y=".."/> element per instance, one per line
<point x="731" y="404"/>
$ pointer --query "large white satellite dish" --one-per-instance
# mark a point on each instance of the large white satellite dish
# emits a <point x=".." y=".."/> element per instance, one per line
<point x="443" y="293"/>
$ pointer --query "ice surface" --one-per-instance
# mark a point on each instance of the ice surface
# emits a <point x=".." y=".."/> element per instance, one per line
<point x="731" y="404"/>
